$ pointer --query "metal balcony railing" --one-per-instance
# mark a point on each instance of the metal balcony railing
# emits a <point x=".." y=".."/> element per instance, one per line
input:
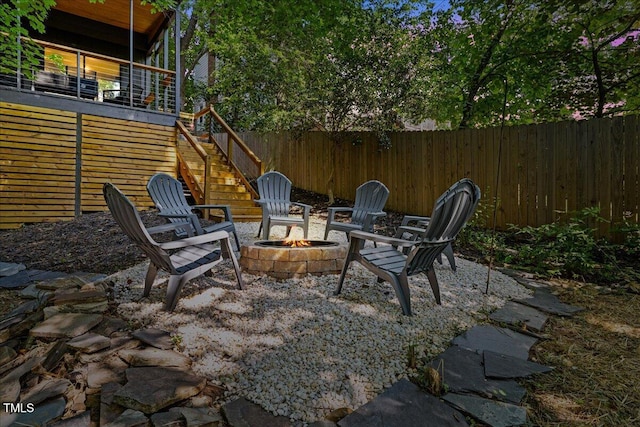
<point x="99" y="78"/>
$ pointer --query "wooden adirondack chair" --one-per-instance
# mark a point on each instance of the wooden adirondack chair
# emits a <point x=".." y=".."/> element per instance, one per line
<point x="391" y="264"/>
<point x="168" y="196"/>
<point x="194" y="256"/>
<point x="275" y="199"/>
<point x="413" y="227"/>
<point x="370" y="200"/>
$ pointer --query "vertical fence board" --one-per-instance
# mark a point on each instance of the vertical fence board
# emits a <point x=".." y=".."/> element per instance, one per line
<point x="632" y="167"/>
<point x="510" y="177"/>
<point x="571" y="136"/>
<point x="616" y="169"/>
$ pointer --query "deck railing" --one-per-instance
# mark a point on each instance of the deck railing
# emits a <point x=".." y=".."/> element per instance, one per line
<point x="95" y="77"/>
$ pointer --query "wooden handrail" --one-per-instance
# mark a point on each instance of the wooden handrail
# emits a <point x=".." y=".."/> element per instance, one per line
<point x="234" y="136"/>
<point x="228" y="155"/>
<point x="194" y="143"/>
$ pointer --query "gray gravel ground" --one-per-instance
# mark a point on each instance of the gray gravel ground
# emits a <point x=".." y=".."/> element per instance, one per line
<point x="296" y="349"/>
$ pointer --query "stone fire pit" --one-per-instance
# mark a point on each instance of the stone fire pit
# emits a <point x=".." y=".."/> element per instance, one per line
<point x="281" y="261"/>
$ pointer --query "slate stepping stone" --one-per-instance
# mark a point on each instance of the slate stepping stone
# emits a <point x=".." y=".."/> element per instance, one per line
<point x="10" y="268"/>
<point x="464" y="373"/>
<point x="80" y="297"/>
<point x="155" y="357"/>
<point x="81" y="420"/>
<point x="18" y="280"/>
<point x="404" y="405"/>
<point x="499" y="340"/>
<point x="198" y="417"/>
<point x="67" y="325"/>
<point x="154" y="337"/>
<point x="7" y="354"/>
<point x="544" y="300"/>
<point x="10" y="382"/>
<point x="32" y="291"/>
<point x="241" y="412"/>
<point x="172" y="418"/>
<point x="109" y="411"/>
<point x="129" y="418"/>
<point x="498" y="365"/>
<point x="516" y="314"/>
<point x="45" y="390"/>
<point x="43" y="415"/>
<point x="9" y="321"/>
<point x="60" y="283"/>
<point x="495" y="414"/>
<point x="27" y="307"/>
<point x="26" y="277"/>
<point x="110" y="369"/>
<point x="151" y="389"/>
<point x="89" y="342"/>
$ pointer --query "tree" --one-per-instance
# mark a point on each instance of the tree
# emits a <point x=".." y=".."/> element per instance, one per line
<point x="331" y="64"/>
<point x="600" y="76"/>
<point x="16" y="18"/>
<point x="486" y="53"/>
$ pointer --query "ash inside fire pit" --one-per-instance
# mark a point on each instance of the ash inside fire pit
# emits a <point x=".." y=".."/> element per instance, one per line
<point x="278" y="259"/>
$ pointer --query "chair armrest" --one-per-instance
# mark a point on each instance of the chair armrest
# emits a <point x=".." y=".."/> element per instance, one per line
<point x="333" y="210"/>
<point x="171" y="226"/>
<point x="196" y="240"/>
<point x="371" y="218"/>
<point x="378" y="238"/>
<point x="225" y="208"/>
<point x="413" y="218"/>
<point x="307" y="208"/>
<point x="190" y="219"/>
<point x="340" y="209"/>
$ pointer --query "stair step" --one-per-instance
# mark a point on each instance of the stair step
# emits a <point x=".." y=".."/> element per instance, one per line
<point x="245" y="218"/>
<point x="234" y="188"/>
<point x="226" y="197"/>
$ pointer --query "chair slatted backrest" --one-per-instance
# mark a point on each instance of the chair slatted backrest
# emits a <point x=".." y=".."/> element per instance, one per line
<point x="127" y="217"/>
<point x="370" y="197"/>
<point x="275" y="192"/>
<point x="167" y="193"/>
<point x="451" y="212"/>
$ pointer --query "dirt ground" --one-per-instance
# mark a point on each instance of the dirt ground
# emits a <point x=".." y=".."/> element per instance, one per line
<point x="596" y="353"/>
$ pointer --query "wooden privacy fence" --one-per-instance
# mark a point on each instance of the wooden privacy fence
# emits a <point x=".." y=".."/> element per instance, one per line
<point x="544" y="170"/>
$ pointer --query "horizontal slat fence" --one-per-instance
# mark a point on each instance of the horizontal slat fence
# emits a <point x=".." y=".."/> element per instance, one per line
<point x="126" y="153"/>
<point x="37" y="164"/>
<point x="536" y="173"/>
<point x="53" y="163"/>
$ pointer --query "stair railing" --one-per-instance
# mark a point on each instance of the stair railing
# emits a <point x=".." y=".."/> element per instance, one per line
<point x="228" y="154"/>
<point x="200" y="194"/>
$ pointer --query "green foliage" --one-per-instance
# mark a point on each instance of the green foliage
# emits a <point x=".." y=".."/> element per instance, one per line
<point x="598" y="76"/>
<point x="567" y="248"/>
<point x="17" y="19"/>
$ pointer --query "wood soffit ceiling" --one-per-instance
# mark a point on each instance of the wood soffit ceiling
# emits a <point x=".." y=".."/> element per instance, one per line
<point x="116" y="13"/>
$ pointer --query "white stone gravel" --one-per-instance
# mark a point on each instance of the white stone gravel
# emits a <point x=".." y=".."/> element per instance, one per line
<point x="296" y="349"/>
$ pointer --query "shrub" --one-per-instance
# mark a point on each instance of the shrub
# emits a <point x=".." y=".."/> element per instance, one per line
<point x="568" y="248"/>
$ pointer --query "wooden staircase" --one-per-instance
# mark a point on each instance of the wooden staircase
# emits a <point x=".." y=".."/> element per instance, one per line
<point x="225" y="186"/>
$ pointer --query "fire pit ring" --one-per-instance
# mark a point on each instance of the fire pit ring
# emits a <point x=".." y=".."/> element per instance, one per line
<point x="279" y="260"/>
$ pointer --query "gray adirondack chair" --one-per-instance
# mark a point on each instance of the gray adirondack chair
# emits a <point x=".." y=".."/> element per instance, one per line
<point x="193" y="256"/>
<point x="275" y="199"/>
<point x="412" y="227"/>
<point x="370" y="200"/>
<point x="168" y="196"/>
<point x="389" y="263"/>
